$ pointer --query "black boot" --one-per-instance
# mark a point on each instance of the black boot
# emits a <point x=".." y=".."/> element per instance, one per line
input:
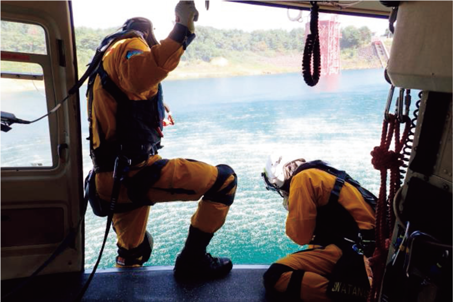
<point x="194" y="262"/>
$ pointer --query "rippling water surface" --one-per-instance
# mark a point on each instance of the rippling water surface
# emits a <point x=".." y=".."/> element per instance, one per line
<point x="239" y="121"/>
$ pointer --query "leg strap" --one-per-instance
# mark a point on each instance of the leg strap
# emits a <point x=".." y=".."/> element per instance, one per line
<point x="271" y="276"/>
<point x="139" y="184"/>
<point x="294" y="285"/>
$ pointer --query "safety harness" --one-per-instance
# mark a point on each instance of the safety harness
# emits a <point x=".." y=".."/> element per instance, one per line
<point x="334" y="214"/>
<point x="335" y="225"/>
<point x="139" y="130"/>
<point x="139" y="127"/>
<point x="139" y="124"/>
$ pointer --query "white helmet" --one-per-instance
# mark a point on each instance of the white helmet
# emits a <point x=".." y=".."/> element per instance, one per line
<point x="279" y="169"/>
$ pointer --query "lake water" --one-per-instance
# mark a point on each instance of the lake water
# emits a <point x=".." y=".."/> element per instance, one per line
<point x="239" y="121"/>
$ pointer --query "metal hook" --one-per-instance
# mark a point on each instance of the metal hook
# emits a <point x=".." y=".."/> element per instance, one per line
<point x="392" y="19"/>
<point x="389" y="102"/>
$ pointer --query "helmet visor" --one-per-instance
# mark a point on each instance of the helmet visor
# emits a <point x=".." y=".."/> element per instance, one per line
<point x="269" y="185"/>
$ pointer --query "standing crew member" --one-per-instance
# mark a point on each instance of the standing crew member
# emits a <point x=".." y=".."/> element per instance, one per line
<point x="330" y="218"/>
<point x="126" y="113"/>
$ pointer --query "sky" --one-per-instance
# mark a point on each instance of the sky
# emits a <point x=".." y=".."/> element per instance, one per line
<point x="221" y="14"/>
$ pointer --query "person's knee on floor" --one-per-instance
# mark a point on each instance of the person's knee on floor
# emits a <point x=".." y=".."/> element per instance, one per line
<point x="274" y="276"/>
<point x="137" y="256"/>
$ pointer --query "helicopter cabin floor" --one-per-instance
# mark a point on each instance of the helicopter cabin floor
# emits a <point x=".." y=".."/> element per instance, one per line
<point x="152" y="283"/>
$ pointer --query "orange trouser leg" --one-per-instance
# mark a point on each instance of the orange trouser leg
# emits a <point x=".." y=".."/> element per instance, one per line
<point x="316" y="264"/>
<point x="180" y="180"/>
<point x="130" y="227"/>
<point x="186" y="180"/>
<point x="210" y="215"/>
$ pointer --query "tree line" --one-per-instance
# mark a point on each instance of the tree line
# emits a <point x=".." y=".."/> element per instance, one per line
<point x="210" y="42"/>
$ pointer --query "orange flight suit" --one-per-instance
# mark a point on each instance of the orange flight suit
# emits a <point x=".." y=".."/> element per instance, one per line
<point x="137" y="70"/>
<point x="309" y="190"/>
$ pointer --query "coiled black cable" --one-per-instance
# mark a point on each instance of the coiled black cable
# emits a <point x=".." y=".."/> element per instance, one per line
<point x="312" y="50"/>
<point x="408" y="144"/>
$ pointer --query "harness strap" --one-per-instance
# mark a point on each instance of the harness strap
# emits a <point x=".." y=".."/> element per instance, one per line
<point x="138" y="185"/>
<point x="148" y="140"/>
<point x="274" y="273"/>
<point x="101" y="207"/>
<point x="110" y="86"/>
<point x="339" y="182"/>
<point x="334" y="214"/>
<point x="294" y="285"/>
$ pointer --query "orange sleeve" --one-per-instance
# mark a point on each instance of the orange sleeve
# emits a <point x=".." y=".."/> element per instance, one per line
<point x="311" y="189"/>
<point x="143" y="72"/>
<point x="307" y="193"/>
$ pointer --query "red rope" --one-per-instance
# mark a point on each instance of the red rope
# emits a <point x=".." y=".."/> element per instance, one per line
<point x="384" y="159"/>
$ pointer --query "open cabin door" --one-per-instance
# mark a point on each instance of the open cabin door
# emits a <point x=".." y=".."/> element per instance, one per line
<point x="41" y="163"/>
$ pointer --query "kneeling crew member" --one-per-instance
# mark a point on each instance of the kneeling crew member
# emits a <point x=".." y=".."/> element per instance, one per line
<point x="126" y="115"/>
<point x="306" y="192"/>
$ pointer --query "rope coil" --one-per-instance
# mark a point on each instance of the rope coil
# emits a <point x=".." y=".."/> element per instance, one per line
<point x="312" y="50"/>
<point x="384" y="159"/>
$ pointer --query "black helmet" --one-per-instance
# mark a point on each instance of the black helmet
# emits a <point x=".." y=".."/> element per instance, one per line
<point x="144" y="26"/>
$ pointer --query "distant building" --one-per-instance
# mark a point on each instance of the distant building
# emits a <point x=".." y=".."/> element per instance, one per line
<point x="329" y="42"/>
<point x="219" y="61"/>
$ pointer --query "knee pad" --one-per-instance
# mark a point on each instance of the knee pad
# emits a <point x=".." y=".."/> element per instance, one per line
<point x="138" y="255"/>
<point x="273" y="274"/>
<point x="215" y="194"/>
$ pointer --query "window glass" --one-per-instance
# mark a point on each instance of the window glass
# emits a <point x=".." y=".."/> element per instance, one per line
<point x="21" y="37"/>
<point x="25" y="145"/>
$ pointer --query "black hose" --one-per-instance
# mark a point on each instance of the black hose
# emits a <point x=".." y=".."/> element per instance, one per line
<point x="312" y="50"/>
<point x="408" y="144"/>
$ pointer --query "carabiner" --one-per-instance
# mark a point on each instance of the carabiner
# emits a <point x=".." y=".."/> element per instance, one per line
<point x="399" y="106"/>
<point x="389" y="103"/>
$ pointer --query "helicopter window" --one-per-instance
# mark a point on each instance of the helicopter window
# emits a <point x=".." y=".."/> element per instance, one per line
<point x="23" y="88"/>
<point x="23" y="38"/>
<point x="25" y="92"/>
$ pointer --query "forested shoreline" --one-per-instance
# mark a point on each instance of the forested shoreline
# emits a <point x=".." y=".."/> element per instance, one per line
<point x="219" y="52"/>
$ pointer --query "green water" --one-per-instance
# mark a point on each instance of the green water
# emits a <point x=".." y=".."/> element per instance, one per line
<point x="239" y="121"/>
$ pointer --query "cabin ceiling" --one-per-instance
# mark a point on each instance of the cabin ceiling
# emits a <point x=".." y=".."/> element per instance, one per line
<point x="357" y="8"/>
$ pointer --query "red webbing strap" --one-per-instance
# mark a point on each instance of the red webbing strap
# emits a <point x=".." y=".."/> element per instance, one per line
<point x="384" y="159"/>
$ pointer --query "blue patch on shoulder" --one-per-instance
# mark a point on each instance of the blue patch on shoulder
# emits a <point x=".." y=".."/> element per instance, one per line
<point x="132" y="53"/>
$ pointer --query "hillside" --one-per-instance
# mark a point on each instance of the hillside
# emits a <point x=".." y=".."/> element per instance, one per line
<point x="217" y="52"/>
<point x="250" y="63"/>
